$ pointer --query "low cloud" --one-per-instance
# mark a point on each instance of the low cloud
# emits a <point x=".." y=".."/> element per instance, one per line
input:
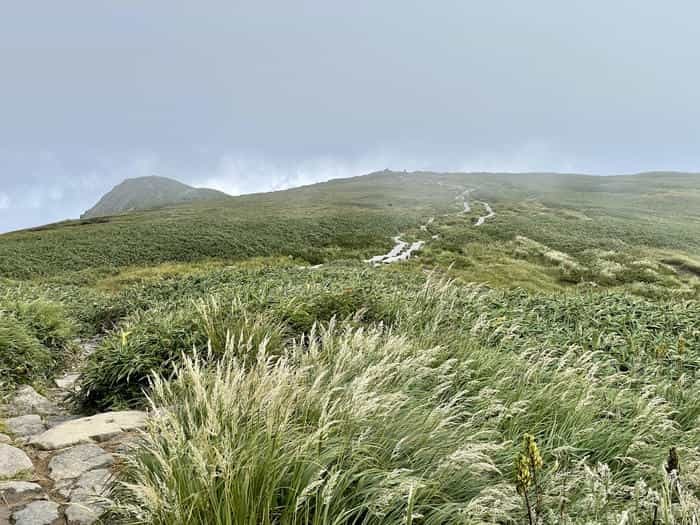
<point x="241" y="174"/>
<point x="531" y="156"/>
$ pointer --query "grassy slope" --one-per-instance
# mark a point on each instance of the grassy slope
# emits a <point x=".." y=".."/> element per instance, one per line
<point x="598" y="375"/>
<point x="355" y="217"/>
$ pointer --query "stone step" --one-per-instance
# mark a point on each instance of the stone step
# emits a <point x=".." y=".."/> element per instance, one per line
<point x="75" y="461"/>
<point x="28" y="401"/>
<point x="68" y="381"/>
<point x="40" y="512"/>
<point x="12" y="492"/>
<point x="24" y="426"/>
<point x="100" y="427"/>
<point x="13" y="462"/>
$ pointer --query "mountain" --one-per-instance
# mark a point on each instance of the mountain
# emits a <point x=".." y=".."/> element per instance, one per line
<point x="146" y="193"/>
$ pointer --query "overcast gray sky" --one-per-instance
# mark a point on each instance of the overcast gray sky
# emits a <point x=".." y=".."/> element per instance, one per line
<point x="258" y="95"/>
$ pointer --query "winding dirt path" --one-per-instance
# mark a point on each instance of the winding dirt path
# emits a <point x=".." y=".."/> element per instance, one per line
<point x="465" y="200"/>
<point x="398" y="248"/>
<point x="402" y="250"/>
<point x="489" y="214"/>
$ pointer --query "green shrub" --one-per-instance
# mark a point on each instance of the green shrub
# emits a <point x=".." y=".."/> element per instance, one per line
<point x="118" y="371"/>
<point x="23" y="359"/>
<point x="47" y="320"/>
<point x="153" y="341"/>
<point x="313" y="306"/>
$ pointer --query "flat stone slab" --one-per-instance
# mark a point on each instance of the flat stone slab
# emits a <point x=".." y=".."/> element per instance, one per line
<point x="91" y="485"/>
<point x="52" y="421"/>
<point x="13" y="462"/>
<point x="75" y="461"/>
<point x="28" y="401"/>
<point x="83" y="513"/>
<point x="100" y="427"/>
<point x="38" y="513"/>
<point x="25" y="425"/>
<point x="14" y="491"/>
<point x="85" y="495"/>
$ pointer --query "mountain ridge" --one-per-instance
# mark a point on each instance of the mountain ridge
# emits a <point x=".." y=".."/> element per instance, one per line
<point x="147" y="193"/>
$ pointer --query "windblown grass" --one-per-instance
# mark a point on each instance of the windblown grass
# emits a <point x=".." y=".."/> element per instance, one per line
<point x="154" y="340"/>
<point x="23" y="358"/>
<point x="422" y="417"/>
<point x="347" y="429"/>
<point x="36" y="339"/>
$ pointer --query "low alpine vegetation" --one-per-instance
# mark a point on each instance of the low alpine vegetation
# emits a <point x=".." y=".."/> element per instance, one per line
<point x="36" y="339"/>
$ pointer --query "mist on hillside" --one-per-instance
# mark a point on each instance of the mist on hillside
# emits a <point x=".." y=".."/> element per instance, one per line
<point x="236" y="98"/>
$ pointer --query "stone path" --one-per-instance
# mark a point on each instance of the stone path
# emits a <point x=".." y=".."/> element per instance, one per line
<point x="489" y="214"/>
<point x="402" y="251"/>
<point x="54" y="464"/>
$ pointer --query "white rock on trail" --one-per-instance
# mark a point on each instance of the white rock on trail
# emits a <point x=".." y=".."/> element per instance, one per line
<point x="100" y="427"/>
<point x="402" y="251"/>
<point x="38" y="513"/>
<point x="77" y="460"/>
<point x="67" y="382"/>
<point x="54" y="421"/>
<point x="25" y="425"/>
<point x="395" y="251"/>
<point x="4" y="439"/>
<point x="28" y="401"/>
<point x="13" y="461"/>
<point x="88" y="347"/>
<point x="14" y="491"/>
<point x="90" y="485"/>
<point x="83" y="514"/>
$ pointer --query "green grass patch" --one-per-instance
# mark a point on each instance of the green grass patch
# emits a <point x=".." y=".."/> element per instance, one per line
<point x="23" y="359"/>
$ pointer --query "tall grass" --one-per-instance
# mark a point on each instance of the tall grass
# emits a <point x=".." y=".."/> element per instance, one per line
<point x="348" y="428"/>
<point x="154" y="340"/>
<point x="23" y="359"/>
<point x="420" y="422"/>
<point x="36" y="339"/>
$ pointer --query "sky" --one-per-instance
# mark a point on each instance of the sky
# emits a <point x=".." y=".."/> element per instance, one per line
<point x="261" y="95"/>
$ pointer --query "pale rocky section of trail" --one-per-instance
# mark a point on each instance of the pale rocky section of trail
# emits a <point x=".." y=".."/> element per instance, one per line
<point x="55" y="465"/>
<point x="465" y="200"/>
<point x="402" y="251"/>
<point x="489" y="214"/>
<point x="464" y="195"/>
<point x="399" y="246"/>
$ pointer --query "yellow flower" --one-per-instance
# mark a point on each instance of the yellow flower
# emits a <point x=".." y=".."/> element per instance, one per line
<point x="533" y="451"/>
<point x="523" y="479"/>
<point x="125" y="335"/>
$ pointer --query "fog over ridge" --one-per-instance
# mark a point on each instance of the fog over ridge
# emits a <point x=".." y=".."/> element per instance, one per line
<point x="257" y="96"/>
